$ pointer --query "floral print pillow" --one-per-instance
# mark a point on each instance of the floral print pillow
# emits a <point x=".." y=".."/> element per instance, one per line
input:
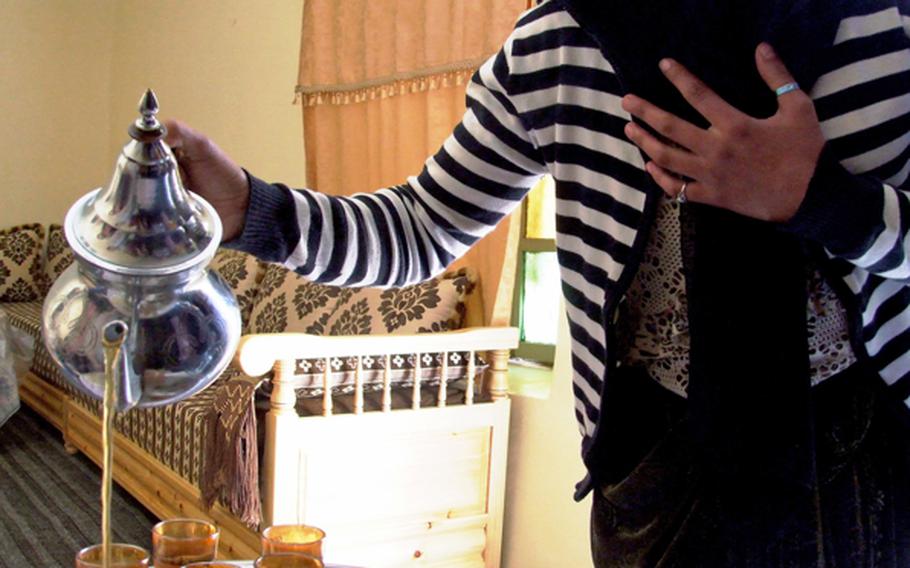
<point x="242" y="272"/>
<point x="289" y="302"/>
<point x="21" y="274"/>
<point x="435" y="305"/>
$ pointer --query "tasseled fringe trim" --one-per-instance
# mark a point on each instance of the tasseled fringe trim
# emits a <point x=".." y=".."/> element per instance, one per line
<point x="230" y="470"/>
<point x="352" y="94"/>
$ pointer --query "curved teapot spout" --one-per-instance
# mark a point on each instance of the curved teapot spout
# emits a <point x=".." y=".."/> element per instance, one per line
<point x="118" y="369"/>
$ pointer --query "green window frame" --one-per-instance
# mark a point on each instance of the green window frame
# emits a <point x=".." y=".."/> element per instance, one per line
<point x="537" y="295"/>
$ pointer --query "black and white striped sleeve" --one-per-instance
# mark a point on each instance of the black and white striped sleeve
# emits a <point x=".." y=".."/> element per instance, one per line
<point x="408" y="233"/>
<point x="857" y="205"/>
<point x="858" y="219"/>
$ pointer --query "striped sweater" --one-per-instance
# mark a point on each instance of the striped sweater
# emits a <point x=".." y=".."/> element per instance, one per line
<point x="549" y="102"/>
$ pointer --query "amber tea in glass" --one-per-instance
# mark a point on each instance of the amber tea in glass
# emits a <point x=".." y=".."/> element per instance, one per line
<point x="178" y="542"/>
<point x="122" y="556"/>
<point x="288" y="561"/>
<point x="283" y="539"/>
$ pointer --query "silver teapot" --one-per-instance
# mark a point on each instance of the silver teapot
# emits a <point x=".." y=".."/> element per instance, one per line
<point x="142" y="247"/>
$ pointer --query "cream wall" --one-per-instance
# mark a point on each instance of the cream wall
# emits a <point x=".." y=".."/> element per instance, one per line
<point x="73" y="72"/>
<point x="544" y="526"/>
<point x="55" y="57"/>
<point x="227" y="67"/>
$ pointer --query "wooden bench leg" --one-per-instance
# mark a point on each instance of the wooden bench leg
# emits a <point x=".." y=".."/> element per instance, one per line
<point x="69" y="447"/>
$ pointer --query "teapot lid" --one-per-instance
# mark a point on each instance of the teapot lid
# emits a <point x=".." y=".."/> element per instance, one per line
<point x="145" y="222"/>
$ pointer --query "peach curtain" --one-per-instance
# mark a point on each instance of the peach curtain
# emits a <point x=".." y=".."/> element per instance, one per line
<point x="382" y="84"/>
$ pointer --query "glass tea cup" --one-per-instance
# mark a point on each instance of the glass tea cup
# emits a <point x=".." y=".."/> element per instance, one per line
<point x="288" y="561"/>
<point x="122" y="556"/>
<point x="177" y="542"/>
<point x="294" y="539"/>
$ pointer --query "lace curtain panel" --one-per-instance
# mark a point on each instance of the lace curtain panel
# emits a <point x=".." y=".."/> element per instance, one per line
<point x="382" y="84"/>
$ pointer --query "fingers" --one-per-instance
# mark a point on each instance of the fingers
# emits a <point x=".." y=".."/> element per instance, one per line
<point x="775" y="74"/>
<point x="663" y="154"/>
<point x="770" y="67"/>
<point x="176" y="132"/>
<point x="186" y="143"/>
<point x="668" y="125"/>
<point x="672" y="185"/>
<point x="699" y="95"/>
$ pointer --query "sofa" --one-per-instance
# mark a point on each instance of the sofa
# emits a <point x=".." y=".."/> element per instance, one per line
<point x="378" y="415"/>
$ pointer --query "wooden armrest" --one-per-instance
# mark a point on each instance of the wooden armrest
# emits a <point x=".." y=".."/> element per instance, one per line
<point x="257" y="354"/>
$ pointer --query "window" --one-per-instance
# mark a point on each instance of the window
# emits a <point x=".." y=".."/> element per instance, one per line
<point x="537" y="290"/>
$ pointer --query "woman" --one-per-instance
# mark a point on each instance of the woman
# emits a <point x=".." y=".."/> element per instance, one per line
<point x="727" y="240"/>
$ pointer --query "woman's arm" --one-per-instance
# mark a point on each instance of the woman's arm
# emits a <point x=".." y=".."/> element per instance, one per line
<point x="398" y="235"/>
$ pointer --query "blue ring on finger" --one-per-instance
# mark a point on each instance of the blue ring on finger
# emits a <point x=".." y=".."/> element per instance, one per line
<point x="786" y="88"/>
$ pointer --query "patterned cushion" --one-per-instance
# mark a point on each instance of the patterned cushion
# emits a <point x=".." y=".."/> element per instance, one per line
<point x="289" y="302"/>
<point x="243" y="273"/>
<point x="432" y="306"/>
<point x="59" y="254"/>
<point x="21" y="276"/>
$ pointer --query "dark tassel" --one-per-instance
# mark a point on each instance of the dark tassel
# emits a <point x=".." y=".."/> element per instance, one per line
<point x="230" y="470"/>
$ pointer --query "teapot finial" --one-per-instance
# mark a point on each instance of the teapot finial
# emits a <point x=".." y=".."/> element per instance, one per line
<point x="147" y="128"/>
<point x="148" y="108"/>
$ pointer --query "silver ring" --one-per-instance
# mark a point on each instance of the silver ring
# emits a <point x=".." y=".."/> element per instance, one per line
<point x="681" y="196"/>
<point x="786" y="88"/>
